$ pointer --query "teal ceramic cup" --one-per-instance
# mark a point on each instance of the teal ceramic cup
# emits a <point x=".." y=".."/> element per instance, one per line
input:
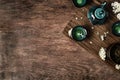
<point x="78" y="33"/>
<point x="116" y="29"/>
<point x="79" y="3"/>
<point x="113" y="53"/>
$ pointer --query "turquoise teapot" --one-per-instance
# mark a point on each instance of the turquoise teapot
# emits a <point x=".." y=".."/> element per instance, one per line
<point x="98" y="14"/>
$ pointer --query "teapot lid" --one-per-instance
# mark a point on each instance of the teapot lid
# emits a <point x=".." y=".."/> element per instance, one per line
<point x="100" y="13"/>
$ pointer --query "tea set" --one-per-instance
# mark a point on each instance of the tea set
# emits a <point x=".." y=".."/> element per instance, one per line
<point x="97" y="15"/>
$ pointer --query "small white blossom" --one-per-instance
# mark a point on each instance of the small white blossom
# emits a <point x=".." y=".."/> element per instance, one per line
<point x="91" y="42"/>
<point x="117" y="67"/>
<point x="97" y="33"/>
<point x="102" y="37"/>
<point x="76" y="18"/>
<point x="118" y="16"/>
<point x="69" y="32"/>
<point x="92" y="27"/>
<point x="81" y="18"/>
<point x="116" y="7"/>
<point x="102" y="53"/>
<point x="107" y="32"/>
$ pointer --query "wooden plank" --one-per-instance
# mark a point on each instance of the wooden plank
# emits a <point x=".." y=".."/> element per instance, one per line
<point x="81" y="15"/>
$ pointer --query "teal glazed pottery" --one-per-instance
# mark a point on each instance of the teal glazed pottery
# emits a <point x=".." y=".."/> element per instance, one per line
<point x="98" y="14"/>
<point x="116" y="28"/>
<point x="113" y="53"/>
<point x="79" y="33"/>
<point x="79" y="3"/>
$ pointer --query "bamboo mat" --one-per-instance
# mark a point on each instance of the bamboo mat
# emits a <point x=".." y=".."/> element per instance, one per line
<point x="94" y="37"/>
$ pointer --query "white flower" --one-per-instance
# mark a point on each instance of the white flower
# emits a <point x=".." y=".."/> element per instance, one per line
<point x="102" y="53"/>
<point x="116" y="7"/>
<point x="102" y="37"/>
<point x="117" y="67"/>
<point x="69" y="32"/>
<point x="118" y="16"/>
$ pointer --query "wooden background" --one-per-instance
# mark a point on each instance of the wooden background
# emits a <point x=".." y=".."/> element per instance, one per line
<point x="33" y="46"/>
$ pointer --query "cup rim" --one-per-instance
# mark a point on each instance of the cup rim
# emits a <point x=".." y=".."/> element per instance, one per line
<point x="110" y="54"/>
<point x="82" y="27"/>
<point x="113" y="26"/>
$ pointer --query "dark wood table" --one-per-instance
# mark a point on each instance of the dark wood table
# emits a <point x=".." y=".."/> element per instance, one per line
<point x="33" y="46"/>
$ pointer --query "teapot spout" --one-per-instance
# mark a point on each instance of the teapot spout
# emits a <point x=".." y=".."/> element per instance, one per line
<point x="103" y="4"/>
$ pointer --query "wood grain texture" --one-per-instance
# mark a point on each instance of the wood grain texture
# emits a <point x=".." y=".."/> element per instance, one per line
<point x="33" y="46"/>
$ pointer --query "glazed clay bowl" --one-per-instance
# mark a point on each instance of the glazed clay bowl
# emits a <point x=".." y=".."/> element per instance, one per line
<point x="113" y="53"/>
<point x="79" y="33"/>
<point x="79" y="3"/>
<point x="116" y="29"/>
